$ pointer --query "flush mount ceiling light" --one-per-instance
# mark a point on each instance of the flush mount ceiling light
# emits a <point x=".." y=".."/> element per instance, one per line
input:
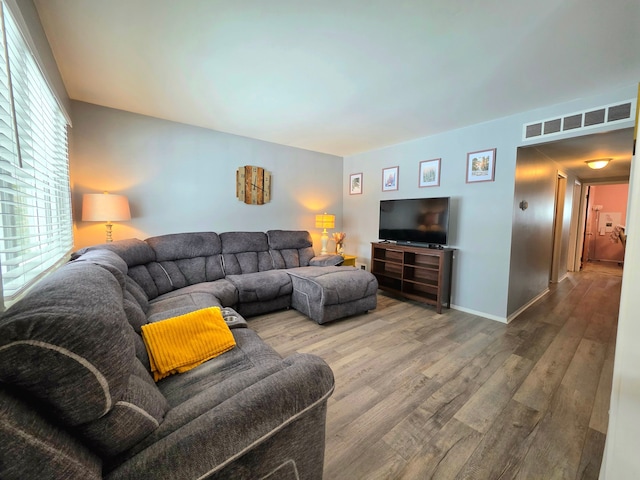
<point x="598" y="163"/>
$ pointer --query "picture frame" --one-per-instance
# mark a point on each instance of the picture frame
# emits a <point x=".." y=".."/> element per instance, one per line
<point x="355" y="184"/>
<point x="390" y="178"/>
<point x="429" y="173"/>
<point x="481" y="166"/>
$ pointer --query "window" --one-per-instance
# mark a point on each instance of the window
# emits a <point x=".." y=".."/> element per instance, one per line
<point x="36" y="229"/>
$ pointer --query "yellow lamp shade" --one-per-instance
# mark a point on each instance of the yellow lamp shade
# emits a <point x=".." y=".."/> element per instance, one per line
<point x="325" y="220"/>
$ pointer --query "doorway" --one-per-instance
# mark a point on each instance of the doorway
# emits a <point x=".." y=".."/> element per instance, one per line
<point x="606" y="212"/>
<point x="559" y="255"/>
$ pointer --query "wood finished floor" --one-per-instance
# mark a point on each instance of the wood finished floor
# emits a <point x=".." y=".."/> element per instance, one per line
<point x="455" y="396"/>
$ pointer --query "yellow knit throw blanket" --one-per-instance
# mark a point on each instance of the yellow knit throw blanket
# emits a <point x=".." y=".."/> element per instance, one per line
<point x="181" y="343"/>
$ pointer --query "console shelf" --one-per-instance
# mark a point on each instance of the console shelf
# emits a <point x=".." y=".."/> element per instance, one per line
<point x="417" y="273"/>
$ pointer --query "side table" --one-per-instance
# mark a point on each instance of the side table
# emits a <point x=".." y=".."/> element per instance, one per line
<point x="349" y="260"/>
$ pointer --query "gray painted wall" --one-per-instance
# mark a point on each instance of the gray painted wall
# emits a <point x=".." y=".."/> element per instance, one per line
<point x="483" y="214"/>
<point x="480" y="217"/>
<point x="180" y="178"/>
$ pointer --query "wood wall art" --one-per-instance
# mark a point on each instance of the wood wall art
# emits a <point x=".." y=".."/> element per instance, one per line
<point x="253" y="185"/>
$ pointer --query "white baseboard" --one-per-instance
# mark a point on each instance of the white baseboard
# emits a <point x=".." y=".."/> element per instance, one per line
<point x="479" y="314"/>
<point x="528" y="304"/>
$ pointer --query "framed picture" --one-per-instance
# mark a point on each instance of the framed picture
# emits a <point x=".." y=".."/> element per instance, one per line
<point x="390" y="178"/>
<point x="481" y="166"/>
<point x="355" y="184"/>
<point x="429" y="173"/>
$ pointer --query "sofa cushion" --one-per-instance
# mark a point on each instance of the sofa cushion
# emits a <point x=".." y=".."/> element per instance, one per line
<point x="109" y="261"/>
<point x="245" y="252"/>
<point x="290" y="248"/>
<point x="132" y="250"/>
<point x="335" y="285"/>
<point x="234" y="418"/>
<point x="189" y="258"/>
<point x="53" y="342"/>
<point x="283" y="239"/>
<point x="69" y="344"/>
<point x="134" y="312"/>
<point x="176" y="246"/>
<point x="328" y="260"/>
<point x="222" y="292"/>
<point x="185" y="300"/>
<point x="138" y="293"/>
<point x="142" y="277"/>
<point x="261" y="286"/>
<point x="34" y="447"/>
<point x="134" y="416"/>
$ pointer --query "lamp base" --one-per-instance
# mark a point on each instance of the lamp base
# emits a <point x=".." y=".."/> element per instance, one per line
<point x="324" y="239"/>
<point x="109" y="237"/>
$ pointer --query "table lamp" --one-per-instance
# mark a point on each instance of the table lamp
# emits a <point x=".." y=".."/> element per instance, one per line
<point x="104" y="207"/>
<point x="325" y="221"/>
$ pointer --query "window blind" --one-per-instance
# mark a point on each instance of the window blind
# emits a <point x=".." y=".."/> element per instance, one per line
<point x="36" y="227"/>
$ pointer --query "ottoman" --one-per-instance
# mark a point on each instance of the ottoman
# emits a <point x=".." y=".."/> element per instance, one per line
<point x="262" y="292"/>
<point x="329" y="293"/>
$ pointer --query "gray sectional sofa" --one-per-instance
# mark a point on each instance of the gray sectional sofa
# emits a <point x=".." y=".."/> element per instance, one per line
<point x="76" y="396"/>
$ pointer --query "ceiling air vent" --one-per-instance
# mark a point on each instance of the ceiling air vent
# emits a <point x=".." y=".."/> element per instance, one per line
<point x="595" y="117"/>
<point x="572" y="122"/>
<point x="576" y="121"/>
<point x="552" y="126"/>
<point x="534" y="130"/>
<point x="619" y="112"/>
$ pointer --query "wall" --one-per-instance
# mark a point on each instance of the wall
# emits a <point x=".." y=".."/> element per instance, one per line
<point x="533" y="229"/>
<point x="482" y="217"/>
<point x="563" y="262"/>
<point x="621" y="459"/>
<point x="180" y="178"/>
<point x="532" y="235"/>
<point x="613" y="198"/>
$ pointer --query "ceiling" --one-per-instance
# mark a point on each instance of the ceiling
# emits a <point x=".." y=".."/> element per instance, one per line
<point x="573" y="153"/>
<point x="340" y="76"/>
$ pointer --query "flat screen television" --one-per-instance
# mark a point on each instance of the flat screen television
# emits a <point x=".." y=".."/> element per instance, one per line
<point x="415" y="220"/>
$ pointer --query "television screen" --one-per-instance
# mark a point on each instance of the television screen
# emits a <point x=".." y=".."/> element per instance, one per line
<point x="416" y="220"/>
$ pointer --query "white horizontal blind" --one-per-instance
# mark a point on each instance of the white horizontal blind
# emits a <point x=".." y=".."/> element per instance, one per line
<point x="36" y="229"/>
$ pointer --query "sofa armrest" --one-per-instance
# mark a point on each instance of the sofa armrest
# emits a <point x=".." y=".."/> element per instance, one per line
<point x="248" y="421"/>
<point x="329" y="260"/>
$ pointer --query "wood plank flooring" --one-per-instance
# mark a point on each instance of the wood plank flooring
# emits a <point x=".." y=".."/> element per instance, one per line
<point x="455" y="396"/>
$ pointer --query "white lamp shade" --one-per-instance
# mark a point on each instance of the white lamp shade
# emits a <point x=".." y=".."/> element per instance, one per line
<point x="104" y="207"/>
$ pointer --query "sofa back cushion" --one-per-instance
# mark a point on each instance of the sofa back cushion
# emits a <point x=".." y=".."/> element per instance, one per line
<point x="290" y="248"/>
<point x="187" y="258"/>
<point x="245" y="252"/>
<point x="137" y="255"/>
<point x="68" y="344"/>
<point x="131" y="250"/>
